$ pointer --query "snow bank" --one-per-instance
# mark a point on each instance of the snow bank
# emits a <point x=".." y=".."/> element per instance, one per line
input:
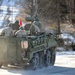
<point x="66" y="53"/>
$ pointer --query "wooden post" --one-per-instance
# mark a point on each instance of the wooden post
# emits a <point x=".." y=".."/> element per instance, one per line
<point x="34" y="8"/>
<point x="1" y="1"/>
<point x="58" y="8"/>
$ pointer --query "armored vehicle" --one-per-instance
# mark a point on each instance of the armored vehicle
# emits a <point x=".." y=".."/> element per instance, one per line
<point x="67" y="41"/>
<point x="35" y="50"/>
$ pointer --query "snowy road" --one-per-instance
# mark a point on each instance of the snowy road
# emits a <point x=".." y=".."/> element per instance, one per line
<point x="64" y="65"/>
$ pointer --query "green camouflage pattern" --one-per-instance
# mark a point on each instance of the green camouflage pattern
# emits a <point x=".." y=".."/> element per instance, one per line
<point x="11" y="50"/>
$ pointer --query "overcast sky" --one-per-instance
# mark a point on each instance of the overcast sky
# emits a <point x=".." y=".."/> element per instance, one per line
<point x="13" y="10"/>
<point x="11" y="2"/>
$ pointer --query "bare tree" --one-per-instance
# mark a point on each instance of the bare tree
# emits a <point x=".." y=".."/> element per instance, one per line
<point x="1" y="1"/>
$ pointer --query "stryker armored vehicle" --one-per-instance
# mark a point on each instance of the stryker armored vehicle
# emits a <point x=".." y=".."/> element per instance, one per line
<point x="36" y="50"/>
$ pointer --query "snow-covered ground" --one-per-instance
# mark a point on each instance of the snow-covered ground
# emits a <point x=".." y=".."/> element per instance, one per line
<point x="65" y="59"/>
<point x="65" y="53"/>
<point x="64" y="65"/>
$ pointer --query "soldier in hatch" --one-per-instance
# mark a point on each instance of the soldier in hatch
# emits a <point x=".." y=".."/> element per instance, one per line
<point x="21" y="32"/>
<point x="8" y="31"/>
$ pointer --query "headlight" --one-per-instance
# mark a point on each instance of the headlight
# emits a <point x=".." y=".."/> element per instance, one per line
<point x="24" y="44"/>
<point x="67" y="42"/>
<point x="70" y="42"/>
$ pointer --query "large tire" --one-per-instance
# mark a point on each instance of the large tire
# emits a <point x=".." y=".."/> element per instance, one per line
<point x="48" y="58"/>
<point x="35" y="61"/>
<point x="53" y="57"/>
<point x="41" y="55"/>
<point x="73" y="47"/>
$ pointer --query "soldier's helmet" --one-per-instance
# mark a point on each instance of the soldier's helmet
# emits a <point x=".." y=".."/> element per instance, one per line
<point x="10" y="25"/>
<point x="21" y="27"/>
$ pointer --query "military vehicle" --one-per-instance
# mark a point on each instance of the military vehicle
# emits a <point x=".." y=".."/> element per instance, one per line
<point x="36" y="50"/>
<point x="66" y="40"/>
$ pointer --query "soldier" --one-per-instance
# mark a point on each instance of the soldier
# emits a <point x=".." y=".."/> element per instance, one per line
<point x="35" y="28"/>
<point x="36" y="25"/>
<point x="8" y="31"/>
<point x="21" y="32"/>
<point x="16" y="25"/>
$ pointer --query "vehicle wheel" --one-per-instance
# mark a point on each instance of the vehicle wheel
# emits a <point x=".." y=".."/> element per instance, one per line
<point x="35" y="62"/>
<point x="48" y="58"/>
<point x="41" y="55"/>
<point x="53" y="56"/>
<point x="73" y="47"/>
<point x="1" y="65"/>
